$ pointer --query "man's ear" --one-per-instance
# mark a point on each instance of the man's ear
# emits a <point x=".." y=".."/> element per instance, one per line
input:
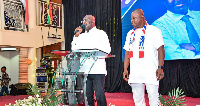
<point x="93" y="23"/>
<point x="142" y="16"/>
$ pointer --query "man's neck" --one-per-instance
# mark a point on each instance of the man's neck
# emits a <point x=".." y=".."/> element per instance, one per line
<point x="90" y="29"/>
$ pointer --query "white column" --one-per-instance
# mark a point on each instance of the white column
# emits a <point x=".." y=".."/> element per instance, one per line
<point x="32" y="67"/>
<point x="1" y="14"/>
<point x="32" y="14"/>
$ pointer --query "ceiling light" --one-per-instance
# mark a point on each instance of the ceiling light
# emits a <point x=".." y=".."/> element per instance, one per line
<point x="8" y="49"/>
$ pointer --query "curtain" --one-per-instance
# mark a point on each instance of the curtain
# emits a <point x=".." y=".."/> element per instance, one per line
<point x="184" y="74"/>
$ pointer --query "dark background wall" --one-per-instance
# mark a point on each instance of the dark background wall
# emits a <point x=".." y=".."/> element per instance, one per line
<point x="178" y="73"/>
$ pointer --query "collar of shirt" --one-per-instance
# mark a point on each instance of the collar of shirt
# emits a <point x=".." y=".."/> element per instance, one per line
<point x="91" y="30"/>
<point x="4" y="73"/>
<point x="177" y="17"/>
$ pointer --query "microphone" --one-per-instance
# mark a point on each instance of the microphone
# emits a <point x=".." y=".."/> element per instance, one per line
<point x="82" y="26"/>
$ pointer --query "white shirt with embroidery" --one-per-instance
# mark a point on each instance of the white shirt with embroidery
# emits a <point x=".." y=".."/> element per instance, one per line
<point x="143" y="70"/>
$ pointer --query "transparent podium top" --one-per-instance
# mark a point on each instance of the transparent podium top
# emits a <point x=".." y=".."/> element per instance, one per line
<point x="75" y="62"/>
<point x="82" y="52"/>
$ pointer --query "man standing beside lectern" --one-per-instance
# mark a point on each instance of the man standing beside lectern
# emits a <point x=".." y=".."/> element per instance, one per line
<point x="93" y="38"/>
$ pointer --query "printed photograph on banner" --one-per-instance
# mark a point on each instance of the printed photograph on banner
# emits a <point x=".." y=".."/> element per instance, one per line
<point x="178" y="20"/>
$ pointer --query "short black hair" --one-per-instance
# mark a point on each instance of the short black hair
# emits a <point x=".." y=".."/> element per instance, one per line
<point x="3" y="67"/>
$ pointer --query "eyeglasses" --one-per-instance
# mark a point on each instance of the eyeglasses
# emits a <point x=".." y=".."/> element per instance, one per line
<point x="83" y="21"/>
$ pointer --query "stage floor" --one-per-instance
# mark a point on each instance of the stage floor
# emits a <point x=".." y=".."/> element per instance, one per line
<point x="117" y="99"/>
<point x="126" y="99"/>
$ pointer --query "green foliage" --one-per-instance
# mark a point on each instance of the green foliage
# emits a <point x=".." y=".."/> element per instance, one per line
<point x="34" y="90"/>
<point x="52" y="99"/>
<point x="47" y="64"/>
<point x="174" y="98"/>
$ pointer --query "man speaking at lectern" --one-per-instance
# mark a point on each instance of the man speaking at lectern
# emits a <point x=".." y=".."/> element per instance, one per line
<point x="93" y="38"/>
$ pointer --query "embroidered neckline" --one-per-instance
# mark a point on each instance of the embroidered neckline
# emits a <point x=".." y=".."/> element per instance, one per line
<point x="141" y="42"/>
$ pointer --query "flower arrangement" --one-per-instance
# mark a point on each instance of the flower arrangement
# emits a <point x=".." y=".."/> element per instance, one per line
<point x="111" y="104"/>
<point x="50" y="99"/>
<point x="31" y="101"/>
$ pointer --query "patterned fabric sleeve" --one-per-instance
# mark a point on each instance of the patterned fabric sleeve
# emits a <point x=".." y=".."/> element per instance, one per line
<point x="5" y="79"/>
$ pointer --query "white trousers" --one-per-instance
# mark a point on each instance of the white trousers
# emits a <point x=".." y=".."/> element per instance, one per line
<point x="138" y="90"/>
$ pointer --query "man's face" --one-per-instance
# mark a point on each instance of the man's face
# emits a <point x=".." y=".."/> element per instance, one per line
<point x="88" y="23"/>
<point x="136" y="20"/>
<point x="178" y="6"/>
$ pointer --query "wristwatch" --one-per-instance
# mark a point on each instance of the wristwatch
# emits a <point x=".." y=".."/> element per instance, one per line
<point x="196" y="46"/>
<point x="162" y="67"/>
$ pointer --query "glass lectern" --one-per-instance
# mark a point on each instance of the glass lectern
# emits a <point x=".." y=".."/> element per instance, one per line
<point x="71" y="73"/>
